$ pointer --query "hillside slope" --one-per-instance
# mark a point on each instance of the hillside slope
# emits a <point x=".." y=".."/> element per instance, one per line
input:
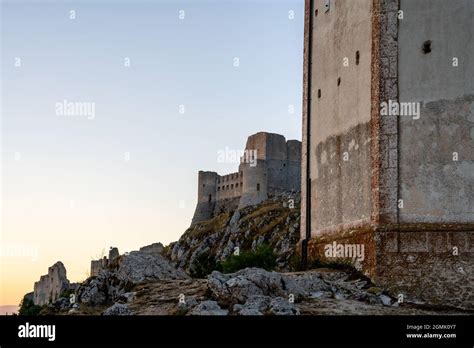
<point x="274" y="222"/>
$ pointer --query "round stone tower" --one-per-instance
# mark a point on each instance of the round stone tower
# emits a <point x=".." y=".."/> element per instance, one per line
<point x="207" y="183"/>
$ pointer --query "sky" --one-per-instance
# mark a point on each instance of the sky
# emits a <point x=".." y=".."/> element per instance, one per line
<point x="169" y="85"/>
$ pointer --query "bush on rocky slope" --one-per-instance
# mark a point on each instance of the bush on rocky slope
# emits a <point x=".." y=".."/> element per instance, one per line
<point x="262" y="257"/>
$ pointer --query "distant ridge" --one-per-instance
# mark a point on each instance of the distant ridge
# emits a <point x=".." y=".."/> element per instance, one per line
<point x="8" y="309"/>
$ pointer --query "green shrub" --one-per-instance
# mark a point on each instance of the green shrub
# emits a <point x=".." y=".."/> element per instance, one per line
<point x="27" y="307"/>
<point x="262" y="257"/>
<point x="203" y="265"/>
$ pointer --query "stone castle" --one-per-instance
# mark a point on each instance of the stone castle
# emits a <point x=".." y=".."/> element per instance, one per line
<point x="270" y="165"/>
<point x="401" y="183"/>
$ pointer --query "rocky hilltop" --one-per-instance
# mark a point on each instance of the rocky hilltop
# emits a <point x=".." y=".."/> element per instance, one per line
<point x="273" y="223"/>
<point x="192" y="277"/>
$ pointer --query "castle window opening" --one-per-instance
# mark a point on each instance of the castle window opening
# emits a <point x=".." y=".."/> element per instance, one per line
<point x="241" y="184"/>
<point x="227" y="187"/>
<point x="237" y="184"/>
<point x="319" y="93"/>
<point x="338" y="81"/>
<point x="218" y="188"/>
<point x="210" y="198"/>
<point x="357" y="57"/>
<point x="258" y="187"/>
<point x="427" y="47"/>
<point x="231" y="186"/>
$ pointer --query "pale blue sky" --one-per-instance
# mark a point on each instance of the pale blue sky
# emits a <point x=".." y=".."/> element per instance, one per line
<point x="71" y="183"/>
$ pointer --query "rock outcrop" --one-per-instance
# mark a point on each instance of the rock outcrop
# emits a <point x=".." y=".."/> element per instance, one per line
<point x="250" y="282"/>
<point x="274" y="222"/>
<point x="254" y="291"/>
<point x="128" y="270"/>
<point x="118" y="309"/>
<point x="208" y="308"/>
<point x="139" y="266"/>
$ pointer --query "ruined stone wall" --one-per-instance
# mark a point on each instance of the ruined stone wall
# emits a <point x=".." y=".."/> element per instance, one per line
<point x="97" y="266"/>
<point x="103" y="263"/>
<point x="229" y="186"/>
<point x="50" y="286"/>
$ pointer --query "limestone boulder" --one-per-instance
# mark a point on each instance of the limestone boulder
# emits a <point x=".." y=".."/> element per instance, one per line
<point x="255" y="305"/>
<point x="240" y="286"/>
<point x="140" y="266"/>
<point x="208" y="308"/>
<point x="155" y="248"/>
<point x="94" y="291"/>
<point x="118" y="309"/>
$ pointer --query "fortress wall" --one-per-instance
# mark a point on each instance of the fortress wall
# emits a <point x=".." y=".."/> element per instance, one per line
<point x="276" y="175"/>
<point x="99" y="265"/>
<point x="207" y="188"/>
<point x="257" y="142"/>
<point x="229" y="186"/>
<point x="293" y="165"/>
<point x="340" y="159"/>
<point x="96" y="267"/>
<point x="418" y="265"/>
<point x="423" y="248"/>
<point x="255" y="183"/>
<point x="434" y="187"/>
<point x="293" y="150"/>
<point x="275" y="147"/>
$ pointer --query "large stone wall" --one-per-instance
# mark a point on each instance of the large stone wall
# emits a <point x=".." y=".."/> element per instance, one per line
<point x="340" y="100"/>
<point x="406" y="190"/>
<point x="51" y="285"/>
<point x="436" y="152"/>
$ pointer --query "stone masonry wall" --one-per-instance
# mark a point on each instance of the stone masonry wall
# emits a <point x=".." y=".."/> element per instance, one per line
<point x="50" y="286"/>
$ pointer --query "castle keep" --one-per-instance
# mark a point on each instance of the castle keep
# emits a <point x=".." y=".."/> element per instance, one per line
<point x="271" y="165"/>
<point x="388" y="141"/>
